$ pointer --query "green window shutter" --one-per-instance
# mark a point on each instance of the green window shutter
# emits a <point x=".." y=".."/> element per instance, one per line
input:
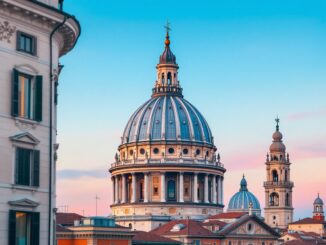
<point x="23" y="166"/>
<point x="34" y="40"/>
<point x="12" y="228"/>
<point x="35" y="229"/>
<point x="36" y="168"/>
<point x="38" y="98"/>
<point x="14" y="94"/>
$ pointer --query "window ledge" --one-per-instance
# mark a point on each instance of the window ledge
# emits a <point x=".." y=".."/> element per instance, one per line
<point x="25" y="123"/>
<point x="22" y="52"/>
<point x="24" y="187"/>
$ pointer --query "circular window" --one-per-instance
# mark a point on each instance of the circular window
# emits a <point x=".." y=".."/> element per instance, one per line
<point x="185" y="151"/>
<point x="197" y="152"/>
<point x="250" y="228"/>
<point x="131" y="152"/>
<point x="156" y="150"/>
<point x="171" y="150"/>
<point x="142" y="151"/>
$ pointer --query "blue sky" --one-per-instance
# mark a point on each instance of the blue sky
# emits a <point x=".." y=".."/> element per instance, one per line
<point x="241" y="64"/>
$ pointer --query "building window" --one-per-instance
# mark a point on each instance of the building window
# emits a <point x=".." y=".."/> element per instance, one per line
<point x="24" y="228"/>
<point x="156" y="150"/>
<point x="171" y="190"/>
<point x="197" y="242"/>
<point x="171" y="151"/>
<point x="274" y="199"/>
<point x="26" y="43"/>
<point x="27" y="167"/>
<point x="142" y="151"/>
<point x="27" y="96"/>
<point x="185" y="151"/>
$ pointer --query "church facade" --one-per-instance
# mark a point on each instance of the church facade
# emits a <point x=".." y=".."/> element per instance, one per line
<point x="168" y="166"/>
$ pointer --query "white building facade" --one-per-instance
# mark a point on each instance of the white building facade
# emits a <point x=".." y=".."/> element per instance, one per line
<point x="33" y="35"/>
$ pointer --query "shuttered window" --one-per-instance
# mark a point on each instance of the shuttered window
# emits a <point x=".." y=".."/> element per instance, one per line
<point x="27" y="167"/>
<point x="27" y="96"/>
<point x="24" y="228"/>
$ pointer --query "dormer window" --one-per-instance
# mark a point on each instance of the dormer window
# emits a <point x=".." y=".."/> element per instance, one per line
<point x="26" y="43"/>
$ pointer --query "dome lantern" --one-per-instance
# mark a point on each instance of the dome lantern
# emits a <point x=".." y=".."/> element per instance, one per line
<point x="167" y="82"/>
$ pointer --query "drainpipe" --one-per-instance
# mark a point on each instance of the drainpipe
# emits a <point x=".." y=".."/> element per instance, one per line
<point x="56" y="28"/>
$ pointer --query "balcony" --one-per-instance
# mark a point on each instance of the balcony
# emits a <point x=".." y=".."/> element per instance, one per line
<point x="282" y="184"/>
<point x="195" y="162"/>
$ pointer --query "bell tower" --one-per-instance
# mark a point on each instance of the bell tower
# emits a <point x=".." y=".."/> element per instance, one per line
<point x="318" y="213"/>
<point x="278" y="187"/>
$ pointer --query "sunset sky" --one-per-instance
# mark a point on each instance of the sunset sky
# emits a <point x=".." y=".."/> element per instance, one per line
<point x="242" y="63"/>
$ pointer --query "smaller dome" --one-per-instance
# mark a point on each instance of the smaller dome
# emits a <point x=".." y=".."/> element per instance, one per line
<point x="240" y="201"/>
<point x="277" y="136"/>
<point x="318" y="201"/>
<point x="277" y="147"/>
<point x="167" y="57"/>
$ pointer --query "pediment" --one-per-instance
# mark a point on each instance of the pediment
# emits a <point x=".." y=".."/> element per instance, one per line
<point x="26" y="138"/>
<point x="25" y="202"/>
<point x="255" y="229"/>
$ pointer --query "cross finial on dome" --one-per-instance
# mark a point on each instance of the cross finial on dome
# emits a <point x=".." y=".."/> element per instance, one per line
<point x="277" y="120"/>
<point x="167" y="37"/>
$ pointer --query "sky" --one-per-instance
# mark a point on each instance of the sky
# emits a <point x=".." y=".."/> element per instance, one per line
<point x="242" y="63"/>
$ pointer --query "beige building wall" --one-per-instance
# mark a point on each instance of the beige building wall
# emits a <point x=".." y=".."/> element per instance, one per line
<point x="38" y="21"/>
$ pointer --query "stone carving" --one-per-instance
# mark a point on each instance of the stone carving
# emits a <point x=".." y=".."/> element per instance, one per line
<point x="6" y="31"/>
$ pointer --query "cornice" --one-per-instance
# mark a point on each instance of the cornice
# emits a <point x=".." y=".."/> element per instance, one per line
<point x="43" y="17"/>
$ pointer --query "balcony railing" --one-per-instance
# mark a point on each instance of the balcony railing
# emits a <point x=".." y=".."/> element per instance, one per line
<point x="287" y="184"/>
<point x="167" y="161"/>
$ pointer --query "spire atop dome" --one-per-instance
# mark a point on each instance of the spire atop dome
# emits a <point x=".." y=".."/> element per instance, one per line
<point x="243" y="184"/>
<point x="277" y="120"/>
<point x="167" y="56"/>
<point x="167" y="82"/>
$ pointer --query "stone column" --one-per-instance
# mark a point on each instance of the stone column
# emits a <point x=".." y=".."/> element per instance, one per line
<point x="163" y="195"/>
<point x="146" y="185"/>
<point x="123" y="199"/>
<point x="206" y="189"/>
<point x="222" y="192"/>
<point x="181" y="187"/>
<point x="219" y="190"/>
<point x="195" y="187"/>
<point x="214" y="189"/>
<point x="116" y="190"/>
<point x="133" y="196"/>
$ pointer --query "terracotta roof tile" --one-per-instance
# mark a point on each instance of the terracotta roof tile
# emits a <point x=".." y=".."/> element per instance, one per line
<point x="67" y="219"/>
<point x="229" y="215"/>
<point x="191" y="228"/>
<point x="142" y="237"/>
<point x="60" y="228"/>
<point x="308" y="221"/>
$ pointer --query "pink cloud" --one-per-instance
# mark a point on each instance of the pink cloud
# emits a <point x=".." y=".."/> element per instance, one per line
<point x="307" y="114"/>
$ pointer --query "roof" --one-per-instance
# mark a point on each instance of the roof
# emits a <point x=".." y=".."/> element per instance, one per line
<point x="301" y="237"/>
<point x="214" y="222"/>
<point x="60" y="228"/>
<point x="142" y="237"/>
<point x="231" y="226"/>
<point x="191" y="228"/>
<point x="307" y="221"/>
<point x="169" y="118"/>
<point x="228" y="215"/>
<point x="67" y="219"/>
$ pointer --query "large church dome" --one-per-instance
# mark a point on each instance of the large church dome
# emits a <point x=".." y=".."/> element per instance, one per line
<point x="167" y="167"/>
<point x="169" y="118"/>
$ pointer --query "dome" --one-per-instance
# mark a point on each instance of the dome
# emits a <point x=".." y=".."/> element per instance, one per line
<point x="240" y="201"/>
<point x="318" y="201"/>
<point x="277" y="147"/>
<point x="169" y="118"/>
<point x="167" y="56"/>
